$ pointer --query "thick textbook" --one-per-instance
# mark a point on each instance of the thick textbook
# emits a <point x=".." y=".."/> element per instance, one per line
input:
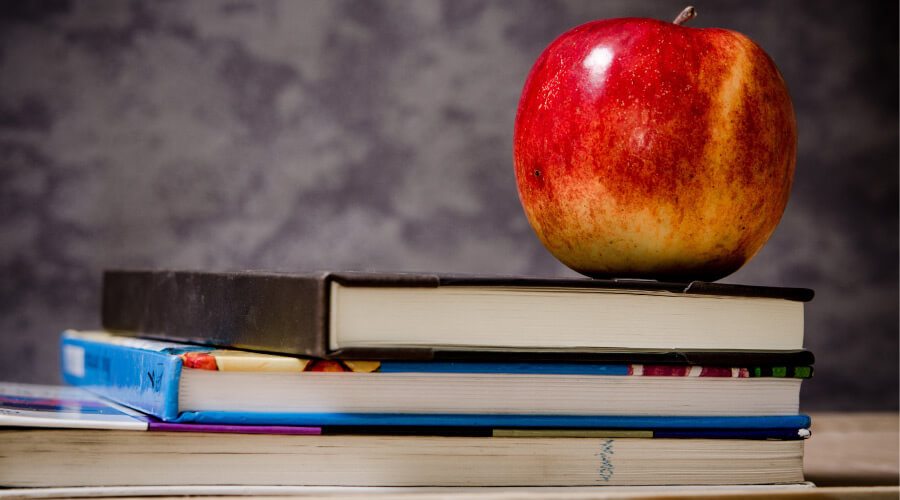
<point x="186" y="383"/>
<point x="81" y="457"/>
<point x="403" y="316"/>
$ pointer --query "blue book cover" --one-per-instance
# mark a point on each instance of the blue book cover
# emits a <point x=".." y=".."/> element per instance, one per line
<point x="147" y="374"/>
<point x="142" y="374"/>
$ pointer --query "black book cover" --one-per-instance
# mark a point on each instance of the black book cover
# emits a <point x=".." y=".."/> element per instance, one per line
<point x="288" y="313"/>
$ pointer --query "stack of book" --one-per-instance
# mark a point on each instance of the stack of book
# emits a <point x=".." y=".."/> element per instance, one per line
<point x="418" y="380"/>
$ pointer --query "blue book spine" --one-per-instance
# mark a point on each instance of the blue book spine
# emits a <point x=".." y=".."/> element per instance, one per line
<point x="499" y="421"/>
<point x="143" y="379"/>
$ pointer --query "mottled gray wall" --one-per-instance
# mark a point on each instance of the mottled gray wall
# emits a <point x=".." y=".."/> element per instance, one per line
<point x="377" y="135"/>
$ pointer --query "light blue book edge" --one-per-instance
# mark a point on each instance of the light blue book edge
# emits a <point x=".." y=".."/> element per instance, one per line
<point x="147" y="380"/>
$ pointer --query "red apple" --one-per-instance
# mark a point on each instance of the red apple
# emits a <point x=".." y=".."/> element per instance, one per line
<point x="648" y="149"/>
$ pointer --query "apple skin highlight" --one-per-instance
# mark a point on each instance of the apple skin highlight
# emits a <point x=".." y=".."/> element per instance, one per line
<point x="646" y="149"/>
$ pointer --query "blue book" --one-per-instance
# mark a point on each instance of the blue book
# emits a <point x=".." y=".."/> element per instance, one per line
<point x="185" y="383"/>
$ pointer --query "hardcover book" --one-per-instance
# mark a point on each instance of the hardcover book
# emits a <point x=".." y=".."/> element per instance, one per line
<point x="421" y="316"/>
<point x="187" y="383"/>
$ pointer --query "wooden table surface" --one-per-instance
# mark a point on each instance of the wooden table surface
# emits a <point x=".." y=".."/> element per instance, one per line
<point x="853" y="449"/>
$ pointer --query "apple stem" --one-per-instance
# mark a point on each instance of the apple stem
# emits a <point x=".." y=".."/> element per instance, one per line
<point x="686" y="15"/>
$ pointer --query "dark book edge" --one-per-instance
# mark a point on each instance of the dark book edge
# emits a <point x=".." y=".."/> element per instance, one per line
<point x="788" y="434"/>
<point x="731" y="359"/>
<point x="694" y="288"/>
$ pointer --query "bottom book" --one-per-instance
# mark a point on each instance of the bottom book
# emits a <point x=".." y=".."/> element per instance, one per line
<point x="86" y="457"/>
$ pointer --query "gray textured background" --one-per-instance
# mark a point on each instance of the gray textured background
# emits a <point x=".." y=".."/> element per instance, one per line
<point x="377" y="135"/>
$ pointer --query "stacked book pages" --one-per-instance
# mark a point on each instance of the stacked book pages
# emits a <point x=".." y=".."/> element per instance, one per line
<point x="360" y="379"/>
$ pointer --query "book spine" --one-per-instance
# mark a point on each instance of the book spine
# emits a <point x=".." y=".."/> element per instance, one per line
<point x="141" y="379"/>
<point x="270" y="312"/>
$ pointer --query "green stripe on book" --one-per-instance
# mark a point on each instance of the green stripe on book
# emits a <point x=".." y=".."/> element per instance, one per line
<point x="781" y="371"/>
